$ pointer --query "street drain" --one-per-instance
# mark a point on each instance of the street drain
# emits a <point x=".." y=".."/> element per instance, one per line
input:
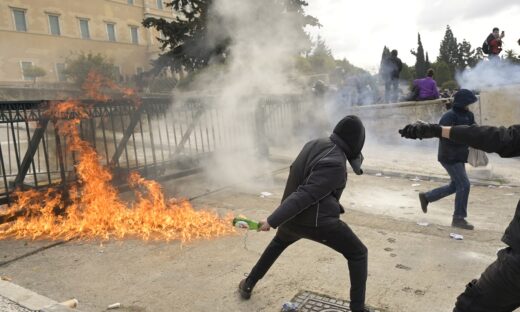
<point x="308" y="301"/>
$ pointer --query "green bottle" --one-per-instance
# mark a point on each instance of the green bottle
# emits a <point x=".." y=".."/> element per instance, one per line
<point x="243" y="223"/>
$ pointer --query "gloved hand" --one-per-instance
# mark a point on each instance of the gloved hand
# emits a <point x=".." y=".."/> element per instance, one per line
<point x="421" y="130"/>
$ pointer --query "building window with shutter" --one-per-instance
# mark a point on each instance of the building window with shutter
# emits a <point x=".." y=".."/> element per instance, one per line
<point x="111" y="32"/>
<point x="20" y="23"/>
<point x="84" y="29"/>
<point x="54" y="24"/>
<point x="160" y="4"/>
<point x="60" y="72"/>
<point x="134" y="32"/>
<point x="25" y="67"/>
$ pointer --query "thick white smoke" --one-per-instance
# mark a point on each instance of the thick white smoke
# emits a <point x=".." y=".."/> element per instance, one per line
<point x="489" y="74"/>
<point x="264" y="42"/>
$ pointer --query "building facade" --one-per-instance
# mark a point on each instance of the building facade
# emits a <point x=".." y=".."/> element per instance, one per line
<point x="44" y="33"/>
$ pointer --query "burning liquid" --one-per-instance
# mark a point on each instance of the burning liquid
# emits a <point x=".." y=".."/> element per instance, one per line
<point x="92" y="209"/>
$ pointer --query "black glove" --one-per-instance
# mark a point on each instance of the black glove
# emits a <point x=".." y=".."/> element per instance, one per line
<point x="421" y="130"/>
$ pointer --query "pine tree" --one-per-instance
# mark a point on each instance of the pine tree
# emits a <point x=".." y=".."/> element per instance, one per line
<point x="449" y="50"/>
<point x="420" y="62"/>
<point x="428" y="64"/>
<point x="466" y="56"/>
<point x="189" y="44"/>
<point x="384" y="56"/>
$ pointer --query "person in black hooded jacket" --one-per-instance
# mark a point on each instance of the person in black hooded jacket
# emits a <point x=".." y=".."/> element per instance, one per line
<point x="453" y="157"/>
<point x="498" y="288"/>
<point x="310" y="207"/>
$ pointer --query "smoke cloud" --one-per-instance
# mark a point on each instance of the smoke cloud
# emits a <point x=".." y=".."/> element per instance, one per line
<point x="489" y="74"/>
<point x="265" y="38"/>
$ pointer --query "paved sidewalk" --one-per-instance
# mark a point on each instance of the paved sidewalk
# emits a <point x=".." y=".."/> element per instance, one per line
<point x="419" y="158"/>
<point x="7" y="305"/>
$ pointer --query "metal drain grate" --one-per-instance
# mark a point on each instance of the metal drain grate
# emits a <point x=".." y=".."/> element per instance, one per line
<point x="312" y="302"/>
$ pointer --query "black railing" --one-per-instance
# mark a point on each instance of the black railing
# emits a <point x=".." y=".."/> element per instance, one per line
<point x="157" y="138"/>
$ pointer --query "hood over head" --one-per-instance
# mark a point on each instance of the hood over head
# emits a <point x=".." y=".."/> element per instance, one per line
<point x="349" y="134"/>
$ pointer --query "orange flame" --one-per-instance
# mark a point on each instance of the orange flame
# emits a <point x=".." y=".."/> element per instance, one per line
<point x="93" y="209"/>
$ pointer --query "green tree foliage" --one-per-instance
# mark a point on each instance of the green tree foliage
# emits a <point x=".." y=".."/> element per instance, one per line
<point x="467" y="56"/>
<point x="189" y="44"/>
<point x="78" y="68"/>
<point x="449" y="50"/>
<point x="443" y="72"/>
<point x="479" y="55"/>
<point x="408" y="73"/>
<point x="384" y="56"/>
<point x="321" y="59"/>
<point x="420" y="60"/>
<point x="34" y="72"/>
<point x="427" y="61"/>
<point x="511" y="56"/>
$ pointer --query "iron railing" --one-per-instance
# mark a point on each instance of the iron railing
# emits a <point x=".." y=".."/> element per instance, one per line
<point x="156" y="138"/>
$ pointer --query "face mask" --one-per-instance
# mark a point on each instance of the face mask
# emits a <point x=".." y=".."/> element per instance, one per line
<point x="356" y="163"/>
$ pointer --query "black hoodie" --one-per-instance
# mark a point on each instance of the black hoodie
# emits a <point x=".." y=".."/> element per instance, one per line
<point x="317" y="178"/>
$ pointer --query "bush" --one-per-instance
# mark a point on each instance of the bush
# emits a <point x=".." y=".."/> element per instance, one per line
<point x="34" y="72"/>
<point x="77" y="69"/>
<point x="450" y="84"/>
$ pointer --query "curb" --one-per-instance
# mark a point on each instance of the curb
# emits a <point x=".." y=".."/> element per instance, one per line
<point x="30" y="300"/>
<point x="433" y="177"/>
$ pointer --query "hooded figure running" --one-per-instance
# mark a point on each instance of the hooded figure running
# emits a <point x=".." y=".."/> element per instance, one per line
<point x="453" y="157"/>
<point x="310" y="207"/>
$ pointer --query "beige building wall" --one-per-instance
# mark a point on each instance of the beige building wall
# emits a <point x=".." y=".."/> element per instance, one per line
<point x="500" y="106"/>
<point x="39" y="46"/>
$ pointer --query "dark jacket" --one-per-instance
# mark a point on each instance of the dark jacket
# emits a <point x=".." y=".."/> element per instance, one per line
<point x="506" y="143"/>
<point x="391" y="68"/>
<point x="449" y="151"/>
<point x="316" y="180"/>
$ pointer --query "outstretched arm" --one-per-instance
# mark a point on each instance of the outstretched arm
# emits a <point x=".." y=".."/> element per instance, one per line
<point x="501" y="140"/>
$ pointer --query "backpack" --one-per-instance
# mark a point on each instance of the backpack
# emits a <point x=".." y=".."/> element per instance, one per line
<point x="485" y="47"/>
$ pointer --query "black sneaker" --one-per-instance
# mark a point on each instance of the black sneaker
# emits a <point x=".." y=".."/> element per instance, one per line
<point x="462" y="223"/>
<point x="365" y="309"/>
<point x="424" y="202"/>
<point x="245" y="288"/>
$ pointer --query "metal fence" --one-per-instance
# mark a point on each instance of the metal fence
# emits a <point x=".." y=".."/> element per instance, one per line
<point x="155" y="138"/>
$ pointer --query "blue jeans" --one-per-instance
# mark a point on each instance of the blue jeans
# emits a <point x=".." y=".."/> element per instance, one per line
<point x="459" y="185"/>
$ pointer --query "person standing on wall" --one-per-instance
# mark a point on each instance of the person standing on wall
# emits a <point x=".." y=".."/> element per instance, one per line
<point x="453" y="157"/>
<point x="391" y="68"/>
<point x="494" y="43"/>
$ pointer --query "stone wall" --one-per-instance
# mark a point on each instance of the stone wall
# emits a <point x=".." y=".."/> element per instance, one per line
<point x="382" y="121"/>
<point x="500" y="107"/>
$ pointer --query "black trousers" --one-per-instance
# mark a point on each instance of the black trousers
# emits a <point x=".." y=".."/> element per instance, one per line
<point x="337" y="236"/>
<point x="497" y="289"/>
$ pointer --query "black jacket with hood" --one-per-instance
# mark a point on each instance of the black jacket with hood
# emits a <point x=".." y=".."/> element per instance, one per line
<point x="451" y="152"/>
<point x="318" y="176"/>
<point x="506" y="143"/>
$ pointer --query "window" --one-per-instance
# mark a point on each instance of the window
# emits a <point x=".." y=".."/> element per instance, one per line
<point x="83" y="27"/>
<point x="26" y="66"/>
<point x="111" y="32"/>
<point x="139" y="70"/>
<point x="134" y="34"/>
<point x="54" y="24"/>
<point x="160" y="4"/>
<point x="117" y="73"/>
<point x="60" y="72"/>
<point x="19" y="20"/>
<point x="131" y="2"/>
